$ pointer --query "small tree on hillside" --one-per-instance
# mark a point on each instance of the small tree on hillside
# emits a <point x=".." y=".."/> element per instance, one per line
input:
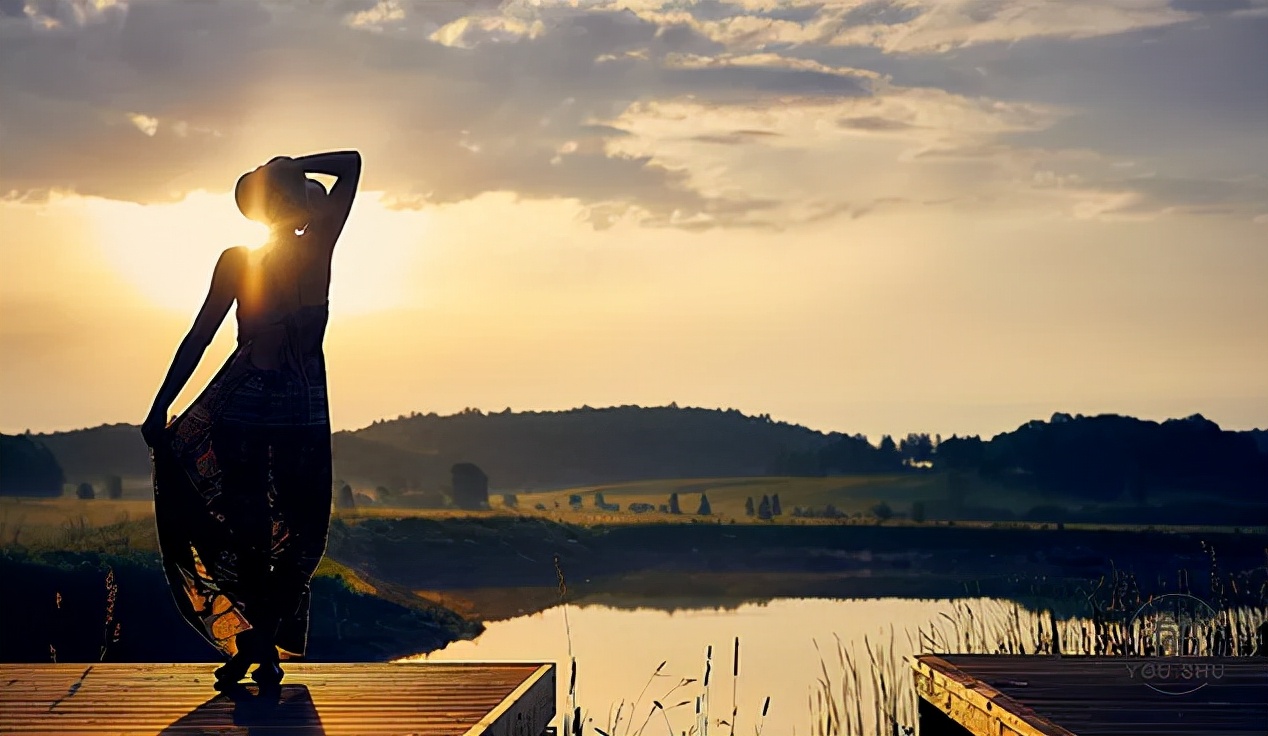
<point x="918" y="512"/>
<point x="705" y="509"/>
<point x="113" y="485"/>
<point x="599" y="500"/>
<point x="882" y="511"/>
<point x="344" y="498"/>
<point x="748" y="506"/>
<point x="775" y="508"/>
<point x="674" y="508"/>
<point x="84" y="491"/>
<point x="763" y="509"/>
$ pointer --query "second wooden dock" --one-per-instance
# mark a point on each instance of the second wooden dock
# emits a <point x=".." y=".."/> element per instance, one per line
<point x="1004" y="695"/>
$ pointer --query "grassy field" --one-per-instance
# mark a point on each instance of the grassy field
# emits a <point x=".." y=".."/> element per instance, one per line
<point x="727" y="495"/>
<point x="73" y="524"/>
<point x="68" y="522"/>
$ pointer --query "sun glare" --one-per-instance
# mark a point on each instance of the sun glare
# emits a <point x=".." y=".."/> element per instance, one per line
<point x="168" y="251"/>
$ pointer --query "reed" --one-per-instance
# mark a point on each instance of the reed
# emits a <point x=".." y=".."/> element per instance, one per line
<point x="686" y="692"/>
<point x="1118" y="623"/>
<point x="877" y="675"/>
<point x="573" y="718"/>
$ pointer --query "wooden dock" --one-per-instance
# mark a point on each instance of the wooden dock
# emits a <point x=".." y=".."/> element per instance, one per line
<point x="424" y="698"/>
<point x="1004" y="695"/>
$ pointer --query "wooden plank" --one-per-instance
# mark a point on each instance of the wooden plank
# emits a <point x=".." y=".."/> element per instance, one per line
<point x="1096" y="696"/>
<point x="978" y="708"/>
<point x="425" y="698"/>
<point x="525" y="712"/>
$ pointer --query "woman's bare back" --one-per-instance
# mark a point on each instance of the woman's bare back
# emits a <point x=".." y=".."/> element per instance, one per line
<point x="282" y="302"/>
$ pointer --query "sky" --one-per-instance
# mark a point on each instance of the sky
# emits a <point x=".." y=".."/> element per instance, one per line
<point x="880" y="216"/>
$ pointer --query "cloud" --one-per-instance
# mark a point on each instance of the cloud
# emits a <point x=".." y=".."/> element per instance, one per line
<point x="873" y="123"/>
<point x="144" y="123"/>
<point x="1155" y="196"/>
<point x="1242" y="8"/>
<point x="812" y="155"/>
<point x="903" y="26"/>
<point x="168" y="98"/>
<point x="684" y="115"/>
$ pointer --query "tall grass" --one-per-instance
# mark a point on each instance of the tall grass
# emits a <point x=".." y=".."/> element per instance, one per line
<point x="640" y="718"/>
<point x="878" y="677"/>
<point x="871" y="690"/>
<point x="78" y="532"/>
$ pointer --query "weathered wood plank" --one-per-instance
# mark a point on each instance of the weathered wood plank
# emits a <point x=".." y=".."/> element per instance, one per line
<point x="1095" y="696"/>
<point x="426" y="698"/>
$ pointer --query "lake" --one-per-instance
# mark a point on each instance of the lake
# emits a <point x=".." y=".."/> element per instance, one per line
<point x="786" y="647"/>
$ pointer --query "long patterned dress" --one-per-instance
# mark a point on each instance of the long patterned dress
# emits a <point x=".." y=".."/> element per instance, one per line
<point x="242" y="487"/>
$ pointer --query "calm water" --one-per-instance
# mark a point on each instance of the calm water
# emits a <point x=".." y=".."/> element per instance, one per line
<point x="618" y="650"/>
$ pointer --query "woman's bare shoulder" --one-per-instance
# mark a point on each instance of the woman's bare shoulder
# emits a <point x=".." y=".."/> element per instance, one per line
<point x="233" y="264"/>
<point x="234" y="257"/>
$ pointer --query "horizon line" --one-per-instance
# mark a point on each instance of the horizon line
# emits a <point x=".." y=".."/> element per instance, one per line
<point x="674" y="405"/>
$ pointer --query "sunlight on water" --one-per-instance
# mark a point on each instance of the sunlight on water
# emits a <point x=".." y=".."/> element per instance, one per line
<point x="618" y="650"/>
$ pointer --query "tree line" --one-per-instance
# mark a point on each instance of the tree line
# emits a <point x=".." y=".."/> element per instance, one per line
<point x="1098" y="458"/>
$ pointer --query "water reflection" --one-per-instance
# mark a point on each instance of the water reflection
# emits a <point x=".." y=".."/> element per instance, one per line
<point x="786" y="646"/>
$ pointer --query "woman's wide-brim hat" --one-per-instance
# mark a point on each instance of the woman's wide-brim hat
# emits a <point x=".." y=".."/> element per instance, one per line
<point x="276" y="193"/>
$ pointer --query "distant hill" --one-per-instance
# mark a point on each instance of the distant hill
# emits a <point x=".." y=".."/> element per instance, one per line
<point x="90" y="454"/>
<point x="1092" y="458"/>
<point x="524" y="450"/>
<point x="518" y="450"/>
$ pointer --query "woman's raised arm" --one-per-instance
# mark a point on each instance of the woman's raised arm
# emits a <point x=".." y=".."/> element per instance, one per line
<point x="346" y="167"/>
<point x="224" y="289"/>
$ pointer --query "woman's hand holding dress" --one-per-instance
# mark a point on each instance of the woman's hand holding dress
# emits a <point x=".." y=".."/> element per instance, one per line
<point x="154" y="429"/>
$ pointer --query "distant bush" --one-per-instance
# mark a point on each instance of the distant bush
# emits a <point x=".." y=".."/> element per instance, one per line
<point x="918" y="512"/>
<point x="28" y="468"/>
<point x="828" y="512"/>
<point x="510" y="500"/>
<point x="705" y="509"/>
<point x="113" y="486"/>
<point x="344" y="498"/>
<point x="882" y="511"/>
<point x="84" y="490"/>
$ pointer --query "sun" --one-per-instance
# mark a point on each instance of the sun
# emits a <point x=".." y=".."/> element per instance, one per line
<point x="167" y="252"/>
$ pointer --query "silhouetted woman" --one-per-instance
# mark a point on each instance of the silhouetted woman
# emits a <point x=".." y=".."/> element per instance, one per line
<point x="242" y="479"/>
